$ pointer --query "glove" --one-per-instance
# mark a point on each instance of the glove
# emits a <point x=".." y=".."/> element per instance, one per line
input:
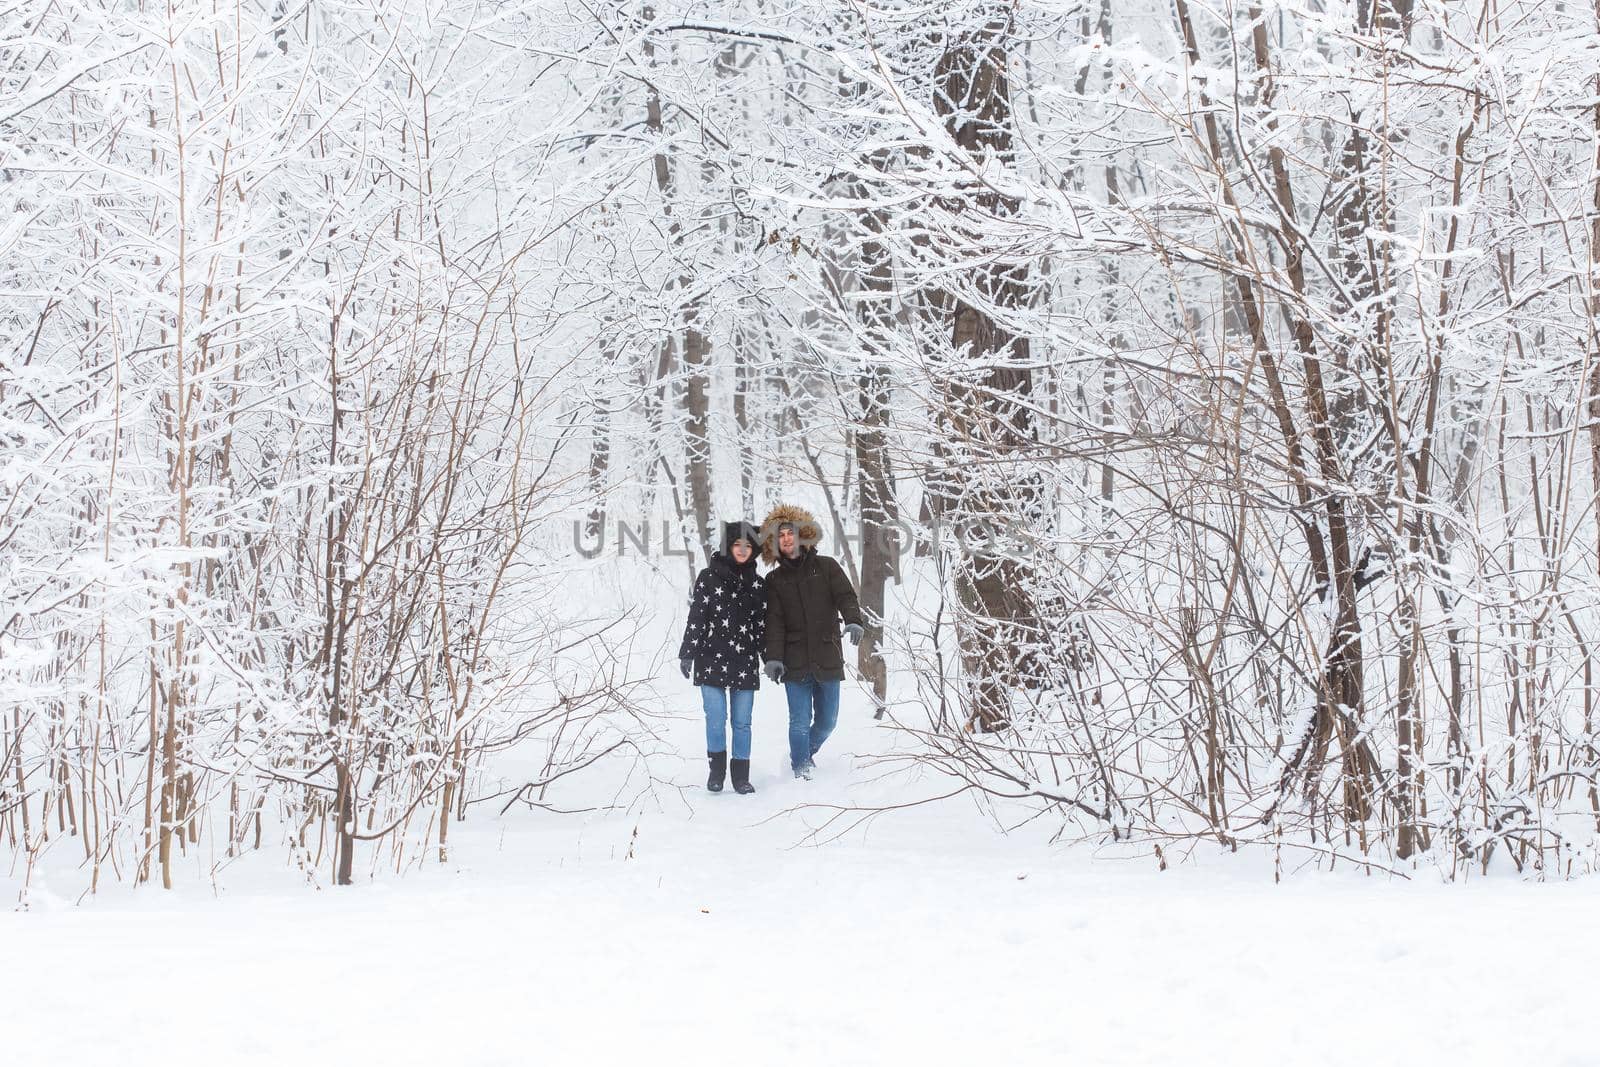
<point x="774" y="669"/>
<point x="686" y="665"/>
<point x="854" y="632"/>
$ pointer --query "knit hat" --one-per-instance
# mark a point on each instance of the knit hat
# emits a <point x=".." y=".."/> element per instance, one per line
<point x="739" y="531"/>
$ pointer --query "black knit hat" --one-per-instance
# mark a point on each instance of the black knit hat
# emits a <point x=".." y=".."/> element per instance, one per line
<point x="740" y="531"/>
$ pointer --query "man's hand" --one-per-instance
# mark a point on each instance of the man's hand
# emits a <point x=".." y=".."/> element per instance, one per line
<point x="686" y="665"/>
<point x="774" y="669"/>
<point x="853" y="632"/>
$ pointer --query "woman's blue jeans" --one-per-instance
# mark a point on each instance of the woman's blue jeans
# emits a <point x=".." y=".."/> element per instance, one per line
<point x="715" y="701"/>
<point x="813" y="713"/>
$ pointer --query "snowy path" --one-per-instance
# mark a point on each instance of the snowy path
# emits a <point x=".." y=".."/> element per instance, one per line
<point x="928" y="939"/>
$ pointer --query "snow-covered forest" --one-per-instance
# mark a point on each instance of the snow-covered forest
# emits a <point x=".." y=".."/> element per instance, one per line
<point x="1203" y="398"/>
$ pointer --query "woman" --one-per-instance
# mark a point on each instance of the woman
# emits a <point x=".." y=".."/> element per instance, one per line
<point x="721" y="647"/>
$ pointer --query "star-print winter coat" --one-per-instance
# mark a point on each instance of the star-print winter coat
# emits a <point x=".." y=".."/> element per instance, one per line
<point x="727" y="623"/>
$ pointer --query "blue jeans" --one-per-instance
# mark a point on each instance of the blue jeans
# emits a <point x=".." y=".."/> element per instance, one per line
<point x="715" y="701"/>
<point x="813" y="713"/>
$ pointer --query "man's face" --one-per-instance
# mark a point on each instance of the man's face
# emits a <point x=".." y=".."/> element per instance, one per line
<point x="788" y="543"/>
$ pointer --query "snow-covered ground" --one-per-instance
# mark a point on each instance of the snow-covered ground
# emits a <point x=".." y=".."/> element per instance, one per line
<point x="722" y="938"/>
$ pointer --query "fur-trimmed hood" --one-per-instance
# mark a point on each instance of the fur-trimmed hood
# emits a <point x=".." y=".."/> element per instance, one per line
<point x="806" y="527"/>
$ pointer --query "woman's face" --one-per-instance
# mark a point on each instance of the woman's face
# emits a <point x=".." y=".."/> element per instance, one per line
<point x="742" y="551"/>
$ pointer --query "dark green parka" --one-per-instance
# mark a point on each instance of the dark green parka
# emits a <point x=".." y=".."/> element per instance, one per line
<point x="806" y="598"/>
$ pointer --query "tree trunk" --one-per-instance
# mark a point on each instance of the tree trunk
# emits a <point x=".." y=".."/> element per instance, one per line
<point x="990" y="421"/>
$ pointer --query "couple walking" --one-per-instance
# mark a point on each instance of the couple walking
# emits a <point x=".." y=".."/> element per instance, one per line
<point x="785" y="625"/>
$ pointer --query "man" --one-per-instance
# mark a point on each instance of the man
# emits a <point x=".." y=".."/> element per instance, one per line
<point x="807" y="594"/>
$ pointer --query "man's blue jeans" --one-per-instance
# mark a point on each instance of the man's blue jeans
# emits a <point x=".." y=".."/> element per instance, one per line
<point x="813" y="713"/>
<point x="715" y="702"/>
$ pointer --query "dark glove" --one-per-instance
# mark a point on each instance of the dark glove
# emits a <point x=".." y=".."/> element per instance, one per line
<point x="853" y="632"/>
<point x="774" y="669"/>
<point x="686" y="665"/>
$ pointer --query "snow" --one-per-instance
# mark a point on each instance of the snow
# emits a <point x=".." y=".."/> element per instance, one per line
<point x="924" y="937"/>
<point x="408" y="329"/>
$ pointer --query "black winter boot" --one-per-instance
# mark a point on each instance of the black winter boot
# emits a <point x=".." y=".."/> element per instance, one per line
<point x="741" y="776"/>
<point x="719" y="768"/>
